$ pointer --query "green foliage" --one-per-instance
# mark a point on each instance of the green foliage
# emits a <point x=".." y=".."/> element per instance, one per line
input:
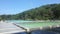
<point x="46" y="12"/>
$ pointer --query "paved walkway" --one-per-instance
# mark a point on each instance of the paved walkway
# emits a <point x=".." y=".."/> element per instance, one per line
<point x="6" y="28"/>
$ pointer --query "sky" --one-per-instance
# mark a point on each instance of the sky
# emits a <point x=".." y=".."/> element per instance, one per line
<point x="18" y="6"/>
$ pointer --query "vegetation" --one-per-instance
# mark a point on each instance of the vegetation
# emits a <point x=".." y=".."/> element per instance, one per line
<point x="46" y="12"/>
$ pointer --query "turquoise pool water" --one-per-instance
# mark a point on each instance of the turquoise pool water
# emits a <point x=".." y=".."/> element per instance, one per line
<point x="32" y="24"/>
<point x="18" y="21"/>
<point x="36" y="23"/>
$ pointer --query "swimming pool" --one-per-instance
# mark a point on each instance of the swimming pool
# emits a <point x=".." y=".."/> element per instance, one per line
<point x="35" y="24"/>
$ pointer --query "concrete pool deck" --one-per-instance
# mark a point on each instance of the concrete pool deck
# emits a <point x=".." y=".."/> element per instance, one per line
<point x="8" y="28"/>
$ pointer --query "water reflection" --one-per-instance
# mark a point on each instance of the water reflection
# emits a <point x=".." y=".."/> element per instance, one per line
<point x="52" y="31"/>
<point x="38" y="32"/>
<point x="43" y="32"/>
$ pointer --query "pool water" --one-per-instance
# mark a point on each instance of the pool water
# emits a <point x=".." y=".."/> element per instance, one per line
<point x="38" y="24"/>
<point x="31" y="24"/>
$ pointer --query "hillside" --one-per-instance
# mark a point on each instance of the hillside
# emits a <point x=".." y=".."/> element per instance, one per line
<point x="45" y="12"/>
<point x="51" y="11"/>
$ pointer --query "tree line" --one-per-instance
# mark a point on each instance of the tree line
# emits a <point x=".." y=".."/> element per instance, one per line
<point x="45" y="12"/>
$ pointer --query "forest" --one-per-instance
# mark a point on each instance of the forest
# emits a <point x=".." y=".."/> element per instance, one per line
<point x="44" y="12"/>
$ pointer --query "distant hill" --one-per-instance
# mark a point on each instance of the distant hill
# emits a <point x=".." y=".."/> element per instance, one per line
<point x="45" y="12"/>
